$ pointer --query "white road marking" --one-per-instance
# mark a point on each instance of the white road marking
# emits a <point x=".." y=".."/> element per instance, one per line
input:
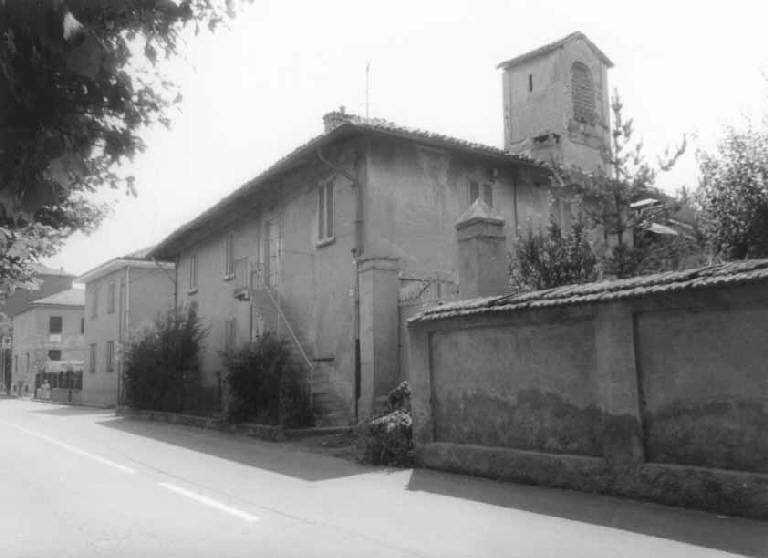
<point x="209" y="502"/>
<point x="77" y="451"/>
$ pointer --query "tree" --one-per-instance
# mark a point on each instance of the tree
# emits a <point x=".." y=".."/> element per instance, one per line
<point x="161" y="370"/>
<point x="78" y="84"/>
<point x="733" y="193"/>
<point x="606" y="196"/>
<point x="551" y="259"/>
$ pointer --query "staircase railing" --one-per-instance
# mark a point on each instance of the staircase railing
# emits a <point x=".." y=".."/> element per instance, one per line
<point x="257" y="270"/>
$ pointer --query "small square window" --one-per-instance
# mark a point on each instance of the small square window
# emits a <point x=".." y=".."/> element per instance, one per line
<point x="55" y="324"/>
<point x="488" y="194"/>
<point x="325" y="211"/>
<point x="110" y="356"/>
<point x="95" y="301"/>
<point x="474" y="191"/>
<point x="230" y="335"/>
<point x="111" y="296"/>
<point x="54" y="355"/>
<point x="193" y="272"/>
<point x="229" y="256"/>
<point x="92" y="358"/>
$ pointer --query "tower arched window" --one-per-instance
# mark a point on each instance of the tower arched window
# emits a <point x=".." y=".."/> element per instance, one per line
<point x="582" y="93"/>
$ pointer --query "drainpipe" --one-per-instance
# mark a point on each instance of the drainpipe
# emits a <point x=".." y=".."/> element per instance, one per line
<point x="357" y="252"/>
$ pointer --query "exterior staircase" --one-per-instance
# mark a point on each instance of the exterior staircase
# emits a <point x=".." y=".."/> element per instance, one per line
<point x="328" y="407"/>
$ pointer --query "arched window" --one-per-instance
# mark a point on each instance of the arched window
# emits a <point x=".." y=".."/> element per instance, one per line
<point x="582" y="93"/>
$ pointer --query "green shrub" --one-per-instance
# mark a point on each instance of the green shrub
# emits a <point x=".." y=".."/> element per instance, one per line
<point x="388" y="439"/>
<point x="551" y="259"/>
<point x="264" y="386"/>
<point x="161" y="371"/>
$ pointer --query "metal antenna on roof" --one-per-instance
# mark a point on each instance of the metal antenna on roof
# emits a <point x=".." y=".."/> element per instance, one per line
<point x="367" y="87"/>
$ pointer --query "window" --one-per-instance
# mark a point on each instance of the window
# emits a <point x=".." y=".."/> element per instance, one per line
<point x="474" y="192"/>
<point x="111" y="298"/>
<point x="54" y="355"/>
<point x="110" y="356"/>
<point x="55" y="324"/>
<point x="325" y="211"/>
<point x="95" y="301"/>
<point x="92" y="358"/>
<point x="27" y="368"/>
<point x="582" y="93"/>
<point x="82" y="325"/>
<point x="230" y="334"/>
<point x="193" y="272"/>
<point x="16" y="363"/>
<point x="530" y="82"/>
<point x="229" y="256"/>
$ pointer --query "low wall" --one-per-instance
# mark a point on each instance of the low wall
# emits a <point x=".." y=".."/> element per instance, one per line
<point x="663" y="396"/>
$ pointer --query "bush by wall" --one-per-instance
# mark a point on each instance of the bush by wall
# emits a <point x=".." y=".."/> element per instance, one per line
<point x="161" y="370"/>
<point x="265" y="386"/>
<point x="551" y="259"/>
<point x="388" y="439"/>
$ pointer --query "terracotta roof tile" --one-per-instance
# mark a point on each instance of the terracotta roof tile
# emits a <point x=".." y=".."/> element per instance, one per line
<point x="732" y="273"/>
<point x="349" y="124"/>
<point x="69" y="297"/>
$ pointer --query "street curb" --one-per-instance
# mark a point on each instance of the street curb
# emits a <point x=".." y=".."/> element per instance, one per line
<point x="264" y="432"/>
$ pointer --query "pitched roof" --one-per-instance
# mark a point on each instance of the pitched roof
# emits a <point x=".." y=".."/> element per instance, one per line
<point x="732" y="273"/>
<point x="139" y="254"/>
<point x="41" y="269"/>
<point x="138" y="258"/>
<point x="69" y="297"/>
<point x="535" y="53"/>
<point x="348" y="125"/>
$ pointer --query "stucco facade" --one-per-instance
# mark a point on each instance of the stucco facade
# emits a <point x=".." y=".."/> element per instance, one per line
<point x="396" y="199"/>
<point x="123" y="297"/>
<point x="50" y="329"/>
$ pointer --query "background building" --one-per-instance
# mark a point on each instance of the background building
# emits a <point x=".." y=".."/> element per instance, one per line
<point x="48" y="281"/>
<point x="49" y="330"/>
<point x="123" y="296"/>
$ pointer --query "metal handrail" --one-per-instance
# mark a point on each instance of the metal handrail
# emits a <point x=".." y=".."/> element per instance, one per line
<point x="260" y="274"/>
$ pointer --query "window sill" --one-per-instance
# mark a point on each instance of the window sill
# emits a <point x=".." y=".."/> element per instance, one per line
<point x="325" y="242"/>
<point x="191" y="291"/>
<point x="229" y="276"/>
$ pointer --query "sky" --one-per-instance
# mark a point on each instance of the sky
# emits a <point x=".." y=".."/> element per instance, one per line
<point x="257" y="89"/>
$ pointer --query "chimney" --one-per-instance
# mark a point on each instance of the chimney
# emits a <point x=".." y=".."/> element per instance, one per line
<point x="482" y="252"/>
<point x="333" y="120"/>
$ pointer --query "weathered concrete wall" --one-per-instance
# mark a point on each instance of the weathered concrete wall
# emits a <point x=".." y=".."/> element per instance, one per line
<point x="415" y="196"/>
<point x="653" y="397"/>
<point x="531" y="386"/>
<point x="705" y="387"/>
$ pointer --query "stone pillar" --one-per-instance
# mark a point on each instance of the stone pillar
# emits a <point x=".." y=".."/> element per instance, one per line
<point x="617" y="383"/>
<point x="482" y="252"/>
<point x="379" y="330"/>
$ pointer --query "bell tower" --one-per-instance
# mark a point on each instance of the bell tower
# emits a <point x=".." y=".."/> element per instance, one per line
<point x="556" y="103"/>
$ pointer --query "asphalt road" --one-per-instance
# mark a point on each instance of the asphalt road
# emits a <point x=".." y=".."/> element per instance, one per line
<point x="78" y="482"/>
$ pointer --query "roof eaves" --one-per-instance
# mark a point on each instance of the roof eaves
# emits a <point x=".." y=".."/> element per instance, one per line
<point x="170" y="246"/>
